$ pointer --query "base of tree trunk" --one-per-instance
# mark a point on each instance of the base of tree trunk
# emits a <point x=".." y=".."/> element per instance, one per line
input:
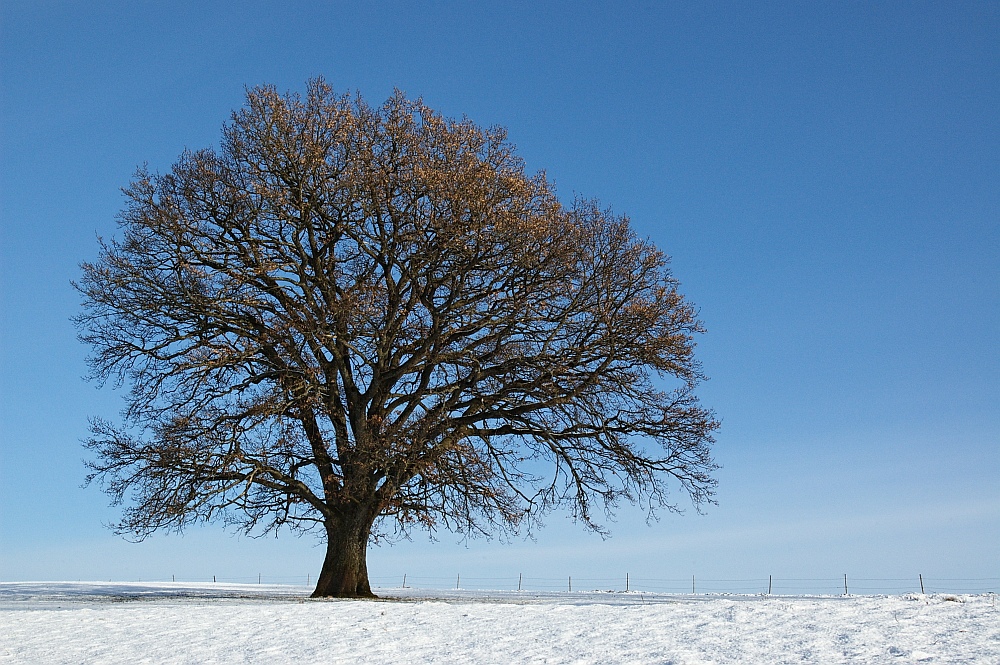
<point x="345" y="567"/>
<point x="318" y="594"/>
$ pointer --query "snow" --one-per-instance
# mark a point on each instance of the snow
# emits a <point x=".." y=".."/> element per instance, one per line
<point x="225" y="623"/>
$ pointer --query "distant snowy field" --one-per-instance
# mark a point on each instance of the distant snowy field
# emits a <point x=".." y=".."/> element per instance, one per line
<point x="223" y="623"/>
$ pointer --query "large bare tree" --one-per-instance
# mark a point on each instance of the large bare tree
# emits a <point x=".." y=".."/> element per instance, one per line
<point x="360" y="320"/>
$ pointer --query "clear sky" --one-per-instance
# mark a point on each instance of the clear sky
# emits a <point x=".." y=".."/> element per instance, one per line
<point x="826" y="177"/>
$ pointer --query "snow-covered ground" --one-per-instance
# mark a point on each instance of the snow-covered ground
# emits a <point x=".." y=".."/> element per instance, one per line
<point x="225" y="623"/>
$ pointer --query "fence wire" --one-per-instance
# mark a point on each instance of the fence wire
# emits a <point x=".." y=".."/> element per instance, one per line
<point x="774" y="585"/>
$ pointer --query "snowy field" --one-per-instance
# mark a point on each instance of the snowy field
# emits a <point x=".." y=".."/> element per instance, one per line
<point x="223" y="623"/>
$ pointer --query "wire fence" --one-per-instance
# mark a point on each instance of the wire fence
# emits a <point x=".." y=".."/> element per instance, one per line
<point x="769" y="585"/>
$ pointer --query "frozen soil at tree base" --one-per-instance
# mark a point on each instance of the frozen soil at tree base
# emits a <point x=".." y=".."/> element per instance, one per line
<point x="225" y="623"/>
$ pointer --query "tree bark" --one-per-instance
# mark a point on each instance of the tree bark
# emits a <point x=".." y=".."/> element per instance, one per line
<point x="345" y="568"/>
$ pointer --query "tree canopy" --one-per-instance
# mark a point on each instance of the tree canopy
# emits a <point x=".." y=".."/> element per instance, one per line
<point x="363" y="319"/>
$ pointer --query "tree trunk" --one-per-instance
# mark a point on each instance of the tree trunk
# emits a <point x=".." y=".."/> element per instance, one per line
<point x="345" y="568"/>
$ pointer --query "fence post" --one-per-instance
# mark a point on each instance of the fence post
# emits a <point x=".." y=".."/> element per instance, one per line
<point x="570" y="582"/>
<point x="769" y="585"/>
<point x="626" y="581"/>
<point x="457" y="580"/>
<point x="258" y="578"/>
<point x="921" y="582"/>
<point x="404" y="580"/>
<point x="213" y="578"/>
<point x="307" y="579"/>
<point x="845" y="584"/>
<point x="519" y="581"/>
<point x="692" y="584"/>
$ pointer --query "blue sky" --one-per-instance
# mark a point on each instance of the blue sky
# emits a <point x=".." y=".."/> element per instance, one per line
<point x="826" y="177"/>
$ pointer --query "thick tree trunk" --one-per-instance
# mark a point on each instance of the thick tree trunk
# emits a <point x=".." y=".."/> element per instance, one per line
<point x="345" y="568"/>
